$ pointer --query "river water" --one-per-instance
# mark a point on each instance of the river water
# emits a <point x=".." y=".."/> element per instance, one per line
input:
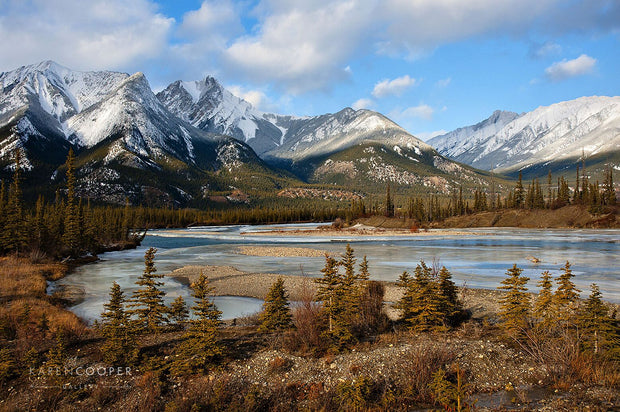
<point x="477" y="259"/>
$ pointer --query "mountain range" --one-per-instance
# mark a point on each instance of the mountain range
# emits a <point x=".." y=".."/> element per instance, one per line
<point x="554" y="137"/>
<point x="195" y="139"/>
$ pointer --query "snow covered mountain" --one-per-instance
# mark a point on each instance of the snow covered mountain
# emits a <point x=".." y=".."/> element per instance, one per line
<point x="359" y="149"/>
<point x="196" y="140"/>
<point x="207" y="105"/>
<point x="558" y="133"/>
<point x="114" y="121"/>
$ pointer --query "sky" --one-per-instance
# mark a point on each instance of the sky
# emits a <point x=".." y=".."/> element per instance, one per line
<point x="430" y="65"/>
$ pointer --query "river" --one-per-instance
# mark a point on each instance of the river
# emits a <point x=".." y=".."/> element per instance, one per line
<point x="478" y="259"/>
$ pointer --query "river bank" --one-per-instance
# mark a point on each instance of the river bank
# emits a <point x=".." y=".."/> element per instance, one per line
<point x="229" y="281"/>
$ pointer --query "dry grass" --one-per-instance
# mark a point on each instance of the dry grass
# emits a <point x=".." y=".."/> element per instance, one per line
<point x="27" y="311"/>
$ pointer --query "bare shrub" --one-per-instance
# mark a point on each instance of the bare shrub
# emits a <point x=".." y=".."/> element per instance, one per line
<point x="418" y="368"/>
<point x="309" y="321"/>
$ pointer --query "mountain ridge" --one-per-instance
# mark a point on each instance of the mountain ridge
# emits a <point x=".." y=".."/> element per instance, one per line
<point x="556" y="134"/>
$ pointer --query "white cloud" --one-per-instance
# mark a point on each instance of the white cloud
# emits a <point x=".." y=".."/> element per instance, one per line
<point x="565" y="69"/>
<point x="548" y="48"/>
<point x="393" y="87"/>
<point x="443" y="83"/>
<point x="301" y="46"/>
<point x="422" y="111"/>
<point x="362" y="104"/>
<point x="95" y="34"/>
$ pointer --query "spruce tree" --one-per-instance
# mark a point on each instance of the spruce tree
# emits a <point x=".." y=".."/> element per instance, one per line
<point x="178" y="311"/>
<point x="519" y="195"/>
<point x="566" y="297"/>
<point x="405" y="303"/>
<point x="333" y="293"/>
<point x="450" y="305"/>
<point x="116" y="326"/>
<point x="329" y="289"/>
<point x="148" y="301"/>
<point x="595" y="324"/>
<point x="200" y="348"/>
<point x="515" y="305"/>
<point x="426" y="301"/>
<point x="389" y="203"/>
<point x="14" y="235"/>
<point x="71" y="236"/>
<point x="543" y="305"/>
<point x="276" y="313"/>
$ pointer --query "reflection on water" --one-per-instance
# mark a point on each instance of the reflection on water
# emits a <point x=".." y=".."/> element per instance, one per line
<point x="477" y="259"/>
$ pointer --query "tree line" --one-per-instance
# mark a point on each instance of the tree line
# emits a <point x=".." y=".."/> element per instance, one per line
<point x="596" y="197"/>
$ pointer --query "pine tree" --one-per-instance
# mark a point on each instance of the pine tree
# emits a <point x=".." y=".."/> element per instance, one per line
<point x="566" y="297"/>
<point x="200" y="348"/>
<point x="519" y="195"/>
<point x="389" y="203"/>
<point x="328" y="289"/>
<point x="178" y="311"/>
<point x="333" y="293"/>
<point x="450" y="305"/>
<point x="609" y="192"/>
<point x="405" y="303"/>
<point x="276" y="313"/>
<point x="71" y="236"/>
<point x="14" y="236"/>
<point x="543" y="305"/>
<point x="595" y="324"/>
<point x="515" y="305"/>
<point x="119" y="347"/>
<point x="149" y="299"/>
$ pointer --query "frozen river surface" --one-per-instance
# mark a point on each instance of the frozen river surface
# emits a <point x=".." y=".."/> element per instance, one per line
<point x="478" y="259"/>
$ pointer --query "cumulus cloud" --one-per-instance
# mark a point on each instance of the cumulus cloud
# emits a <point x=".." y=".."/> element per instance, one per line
<point x="362" y="104"/>
<point x="96" y="34"/>
<point x="393" y="87"/>
<point x="565" y="69"/>
<point x="303" y="47"/>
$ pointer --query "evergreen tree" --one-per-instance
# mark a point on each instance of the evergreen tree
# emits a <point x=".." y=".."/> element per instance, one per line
<point x="519" y="195"/>
<point x="178" y="311"/>
<point x="405" y="304"/>
<point x="329" y="289"/>
<point x="276" y="313"/>
<point x="595" y="324"/>
<point x="450" y="305"/>
<point x="609" y="192"/>
<point x="200" y="348"/>
<point x="149" y="299"/>
<point x="333" y="292"/>
<point x="389" y="203"/>
<point x="119" y="347"/>
<point x="543" y="305"/>
<point x="515" y="305"/>
<point x="14" y="236"/>
<point x="71" y="236"/>
<point x="566" y="297"/>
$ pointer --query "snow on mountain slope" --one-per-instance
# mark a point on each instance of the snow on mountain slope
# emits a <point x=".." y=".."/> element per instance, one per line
<point x="210" y="107"/>
<point x="334" y="132"/>
<point x="561" y="131"/>
<point x="207" y="105"/>
<point x="59" y="91"/>
<point x="466" y="143"/>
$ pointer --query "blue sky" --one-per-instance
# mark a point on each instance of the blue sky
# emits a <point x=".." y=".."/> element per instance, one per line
<point x="430" y="65"/>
